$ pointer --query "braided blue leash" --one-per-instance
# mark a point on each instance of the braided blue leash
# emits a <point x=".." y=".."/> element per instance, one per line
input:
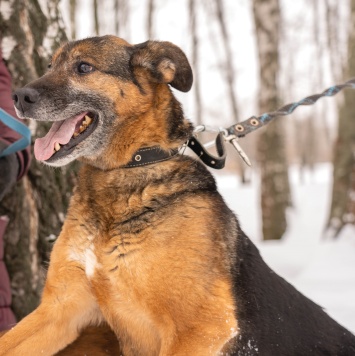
<point x="243" y="128"/>
<point x="19" y="127"/>
<point x="233" y="133"/>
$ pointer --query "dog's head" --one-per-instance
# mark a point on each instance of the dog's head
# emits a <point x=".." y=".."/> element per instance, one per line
<point x="107" y="99"/>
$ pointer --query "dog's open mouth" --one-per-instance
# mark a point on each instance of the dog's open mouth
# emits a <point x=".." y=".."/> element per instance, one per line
<point x="64" y="135"/>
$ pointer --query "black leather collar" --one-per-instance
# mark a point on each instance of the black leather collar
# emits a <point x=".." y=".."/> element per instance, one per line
<point x="150" y="155"/>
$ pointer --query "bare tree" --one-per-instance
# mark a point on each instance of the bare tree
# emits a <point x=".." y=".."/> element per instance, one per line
<point x="332" y="23"/>
<point x="150" y="17"/>
<point x="195" y="60"/>
<point x="319" y="82"/>
<point x="342" y="209"/>
<point x="96" y="18"/>
<point x="230" y="72"/>
<point x="275" y="190"/>
<point x="37" y="204"/>
<point x="72" y="13"/>
<point x="306" y="145"/>
<point x="121" y="13"/>
<point x="116" y="9"/>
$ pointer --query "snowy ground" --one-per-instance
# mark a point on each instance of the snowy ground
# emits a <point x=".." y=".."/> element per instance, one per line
<point x="322" y="269"/>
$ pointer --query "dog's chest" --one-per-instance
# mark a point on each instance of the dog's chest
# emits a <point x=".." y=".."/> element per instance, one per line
<point x="83" y="253"/>
<point x="119" y="274"/>
<point x="108" y="253"/>
<point x="103" y="238"/>
<point x="141" y="264"/>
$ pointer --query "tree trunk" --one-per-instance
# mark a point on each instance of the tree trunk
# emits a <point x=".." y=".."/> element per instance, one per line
<point x="37" y="205"/>
<point x="150" y="16"/>
<point x="195" y="60"/>
<point x="116" y="9"/>
<point x="230" y="74"/>
<point x="72" y="13"/>
<point x="121" y="19"/>
<point x="96" y="18"/>
<point x="332" y="24"/>
<point x="342" y="209"/>
<point x="275" y="190"/>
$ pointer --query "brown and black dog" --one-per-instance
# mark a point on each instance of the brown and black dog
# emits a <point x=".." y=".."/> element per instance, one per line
<point x="150" y="250"/>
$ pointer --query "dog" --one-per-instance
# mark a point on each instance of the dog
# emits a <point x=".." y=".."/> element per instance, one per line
<point x="149" y="248"/>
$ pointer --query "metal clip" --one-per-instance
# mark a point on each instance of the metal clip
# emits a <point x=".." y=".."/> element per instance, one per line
<point x="203" y="128"/>
<point x="198" y="129"/>
<point x="234" y="141"/>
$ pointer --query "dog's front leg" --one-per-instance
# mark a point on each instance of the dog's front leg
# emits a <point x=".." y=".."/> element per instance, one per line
<point x="67" y="306"/>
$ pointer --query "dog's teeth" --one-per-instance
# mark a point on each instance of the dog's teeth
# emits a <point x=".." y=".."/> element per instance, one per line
<point x="84" y="125"/>
<point x="57" y="146"/>
<point x="88" y="120"/>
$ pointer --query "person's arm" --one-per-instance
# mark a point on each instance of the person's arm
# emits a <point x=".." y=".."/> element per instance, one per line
<point x="7" y="318"/>
<point x="14" y="166"/>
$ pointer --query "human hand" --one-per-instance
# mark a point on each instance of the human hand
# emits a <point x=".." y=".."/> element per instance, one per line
<point x="9" y="167"/>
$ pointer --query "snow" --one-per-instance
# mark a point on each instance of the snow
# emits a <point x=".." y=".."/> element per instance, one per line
<point x="321" y="268"/>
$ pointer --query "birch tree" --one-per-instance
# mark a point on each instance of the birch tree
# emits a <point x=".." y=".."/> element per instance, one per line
<point x="275" y="191"/>
<point x="342" y="209"/>
<point x="37" y="204"/>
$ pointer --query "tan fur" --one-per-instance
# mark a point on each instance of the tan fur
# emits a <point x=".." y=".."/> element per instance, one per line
<point x="93" y="341"/>
<point x="106" y="266"/>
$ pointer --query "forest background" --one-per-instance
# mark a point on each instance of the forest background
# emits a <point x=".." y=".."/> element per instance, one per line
<point x="249" y="57"/>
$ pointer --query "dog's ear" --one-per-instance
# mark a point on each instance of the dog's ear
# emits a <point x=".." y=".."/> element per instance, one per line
<point x="165" y="62"/>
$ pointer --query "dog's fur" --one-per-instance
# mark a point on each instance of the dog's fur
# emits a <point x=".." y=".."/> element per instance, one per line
<point x="152" y="251"/>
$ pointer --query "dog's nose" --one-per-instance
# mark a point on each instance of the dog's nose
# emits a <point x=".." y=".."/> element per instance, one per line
<point x="24" y="98"/>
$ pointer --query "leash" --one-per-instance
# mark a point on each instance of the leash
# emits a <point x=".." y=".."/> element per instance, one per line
<point x="233" y="133"/>
<point x="19" y="127"/>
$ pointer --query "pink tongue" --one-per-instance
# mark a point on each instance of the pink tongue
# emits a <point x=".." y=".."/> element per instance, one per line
<point x="61" y="132"/>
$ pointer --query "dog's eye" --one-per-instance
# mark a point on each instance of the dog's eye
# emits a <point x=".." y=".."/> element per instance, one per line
<point x="49" y="65"/>
<point x="85" y="68"/>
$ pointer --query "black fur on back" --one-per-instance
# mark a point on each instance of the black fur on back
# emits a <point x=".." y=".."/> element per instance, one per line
<point x="274" y="318"/>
